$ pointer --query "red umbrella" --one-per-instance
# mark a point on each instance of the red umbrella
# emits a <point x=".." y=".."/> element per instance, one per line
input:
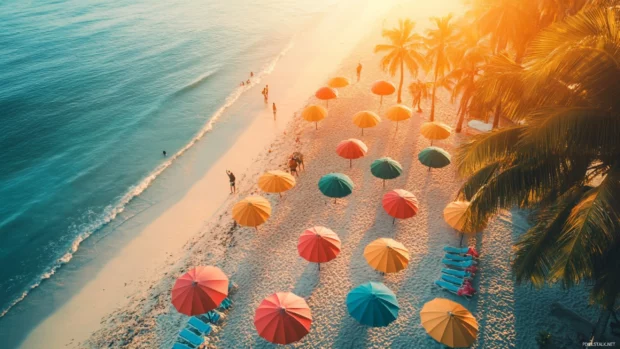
<point x="200" y="290"/>
<point x="283" y="318"/>
<point x="400" y="204"/>
<point x="383" y="88"/>
<point x="351" y="149"/>
<point x="318" y="245"/>
<point x="326" y="93"/>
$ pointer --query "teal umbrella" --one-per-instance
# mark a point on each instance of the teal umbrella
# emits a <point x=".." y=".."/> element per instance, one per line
<point x="386" y="168"/>
<point x="336" y="185"/>
<point x="434" y="157"/>
<point x="373" y="304"/>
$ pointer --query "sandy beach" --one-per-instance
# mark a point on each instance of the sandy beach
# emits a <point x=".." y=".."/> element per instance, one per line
<point x="266" y="261"/>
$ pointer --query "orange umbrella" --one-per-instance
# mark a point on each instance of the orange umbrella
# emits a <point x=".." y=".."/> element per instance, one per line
<point x="398" y="113"/>
<point x="435" y="131"/>
<point x="199" y="290"/>
<point x="283" y="318"/>
<point x="387" y="255"/>
<point x="338" y="81"/>
<point x="252" y="211"/>
<point x="276" y="182"/>
<point x="449" y="323"/>
<point x="318" y="245"/>
<point x="351" y="149"/>
<point x="455" y="215"/>
<point x="366" y="119"/>
<point x="383" y="88"/>
<point x="326" y="93"/>
<point x="314" y="113"/>
<point x="400" y="204"/>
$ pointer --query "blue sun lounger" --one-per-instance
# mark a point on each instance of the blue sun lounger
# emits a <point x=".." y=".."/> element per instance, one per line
<point x="191" y="338"/>
<point x="202" y="327"/>
<point x="452" y="279"/>
<point x="225" y="305"/>
<point x="180" y="346"/>
<point x="458" y="273"/>
<point x="452" y="288"/>
<point x="459" y="258"/>
<point x="455" y="264"/>
<point x="212" y="316"/>
<point x="456" y="250"/>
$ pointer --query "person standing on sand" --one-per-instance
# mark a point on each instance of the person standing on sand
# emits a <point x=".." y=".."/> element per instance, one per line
<point x="359" y="71"/>
<point x="267" y="91"/>
<point x="292" y="165"/>
<point x="274" y="111"/>
<point x="251" y="74"/>
<point x="231" y="179"/>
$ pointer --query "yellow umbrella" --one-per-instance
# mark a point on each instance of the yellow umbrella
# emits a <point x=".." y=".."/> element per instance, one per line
<point x="276" y="182"/>
<point x="455" y="216"/>
<point x="252" y="211"/>
<point x="449" y="323"/>
<point x="338" y="81"/>
<point x="398" y="113"/>
<point x="435" y="131"/>
<point x="366" y="119"/>
<point x="314" y="113"/>
<point x="387" y="255"/>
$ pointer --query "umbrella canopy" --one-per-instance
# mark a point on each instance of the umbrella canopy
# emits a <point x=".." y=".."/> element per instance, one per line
<point x="314" y="113"/>
<point x="449" y="323"/>
<point x="351" y="149"/>
<point x="435" y="130"/>
<point x="318" y="245"/>
<point x="454" y="214"/>
<point x="398" y="113"/>
<point x="366" y="119"/>
<point x="276" y="182"/>
<point x="386" y="168"/>
<point x="336" y="185"/>
<point x="387" y="255"/>
<point x="400" y="204"/>
<point x="283" y="318"/>
<point x="251" y="211"/>
<point x="326" y="93"/>
<point x="373" y="304"/>
<point x="434" y="157"/>
<point x="338" y="81"/>
<point x="199" y="290"/>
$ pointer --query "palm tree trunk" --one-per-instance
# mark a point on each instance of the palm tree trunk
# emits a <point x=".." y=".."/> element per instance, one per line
<point x="461" y="115"/>
<point x="498" y="112"/>
<point x="402" y="77"/>
<point x="433" y="97"/>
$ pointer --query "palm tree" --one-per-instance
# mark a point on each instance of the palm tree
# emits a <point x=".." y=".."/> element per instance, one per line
<point x="419" y="91"/>
<point x="562" y="159"/>
<point x="402" y="51"/>
<point x="440" y="43"/>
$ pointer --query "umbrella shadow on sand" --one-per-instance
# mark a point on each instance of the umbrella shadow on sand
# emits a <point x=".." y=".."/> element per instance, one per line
<point x="308" y="281"/>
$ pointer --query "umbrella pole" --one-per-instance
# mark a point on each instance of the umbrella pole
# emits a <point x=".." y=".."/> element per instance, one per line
<point x="461" y="242"/>
<point x="384" y="183"/>
<point x="396" y="125"/>
<point x="319" y="266"/>
<point x="429" y="169"/>
<point x="335" y="200"/>
<point x="362" y="131"/>
<point x="350" y="163"/>
<point x="316" y="125"/>
<point x="327" y="103"/>
<point x="381" y="101"/>
<point x="280" y="194"/>
<point x="394" y="221"/>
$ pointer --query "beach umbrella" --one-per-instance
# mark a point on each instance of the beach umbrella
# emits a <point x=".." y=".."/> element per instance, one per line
<point x="326" y="93"/>
<point x="283" y="318"/>
<point x="386" y="168"/>
<point x="373" y="304"/>
<point x="398" y="113"/>
<point x="386" y="255"/>
<point x="276" y="182"/>
<point x="318" y="245"/>
<point x="382" y="88"/>
<point x="336" y="185"/>
<point x="449" y="323"/>
<point x="314" y="113"/>
<point x="338" y="81"/>
<point x="252" y="211"/>
<point x="435" y="131"/>
<point x="351" y="149"/>
<point x="455" y="215"/>
<point x="366" y="119"/>
<point x="400" y="204"/>
<point x="434" y="157"/>
<point x="199" y="290"/>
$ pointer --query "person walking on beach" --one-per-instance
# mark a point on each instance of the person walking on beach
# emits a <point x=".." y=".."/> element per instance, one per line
<point x="359" y="71"/>
<point x="164" y="152"/>
<point x="267" y="91"/>
<point x="274" y="111"/>
<point x="231" y="179"/>
<point x="292" y="165"/>
<point x="251" y="74"/>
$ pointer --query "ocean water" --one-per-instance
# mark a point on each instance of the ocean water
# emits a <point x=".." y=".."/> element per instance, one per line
<point x="91" y="92"/>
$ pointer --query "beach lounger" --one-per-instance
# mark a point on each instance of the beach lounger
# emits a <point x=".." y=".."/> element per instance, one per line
<point x="180" y="346"/>
<point x="452" y="288"/>
<point x="225" y="305"/>
<point x="202" y="327"/>
<point x="461" y="250"/>
<point x="459" y="273"/>
<point x="212" y="316"/>
<point x="456" y="264"/>
<point x="453" y="279"/>
<point x="191" y="338"/>
<point x="459" y="258"/>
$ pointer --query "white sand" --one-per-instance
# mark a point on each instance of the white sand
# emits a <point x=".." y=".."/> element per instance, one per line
<point x="266" y="261"/>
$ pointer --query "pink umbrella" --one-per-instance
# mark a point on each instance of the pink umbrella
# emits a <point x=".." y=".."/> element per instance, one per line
<point x="351" y="149"/>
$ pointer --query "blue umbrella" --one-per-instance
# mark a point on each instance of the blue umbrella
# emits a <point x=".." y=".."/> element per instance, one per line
<point x="336" y="185"/>
<point x="373" y="304"/>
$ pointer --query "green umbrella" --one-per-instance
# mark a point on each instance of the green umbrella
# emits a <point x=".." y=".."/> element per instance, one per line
<point x="336" y="185"/>
<point x="434" y="157"/>
<point x="386" y="168"/>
